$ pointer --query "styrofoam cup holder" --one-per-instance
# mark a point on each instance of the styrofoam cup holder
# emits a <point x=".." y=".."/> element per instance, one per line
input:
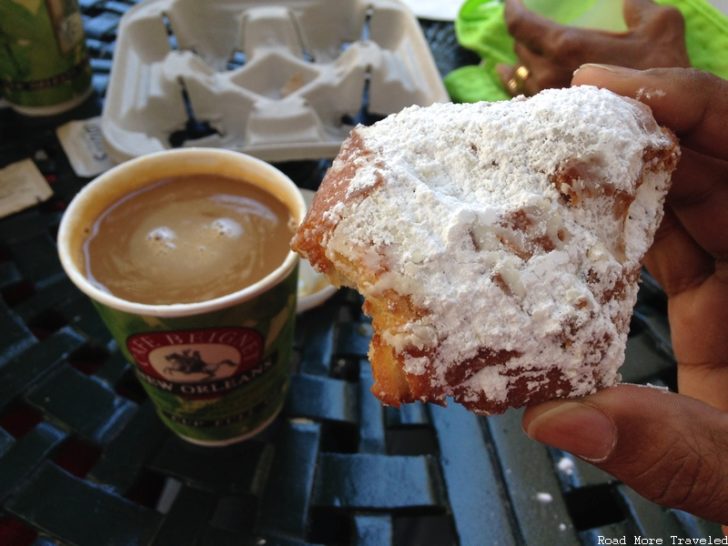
<point x="281" y="81"/>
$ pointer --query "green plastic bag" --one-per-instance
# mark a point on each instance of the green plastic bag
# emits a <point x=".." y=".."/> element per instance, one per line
<point x="480" y="27"/>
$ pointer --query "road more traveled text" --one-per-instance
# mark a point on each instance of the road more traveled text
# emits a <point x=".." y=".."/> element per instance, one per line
<point x="673" y="539"/>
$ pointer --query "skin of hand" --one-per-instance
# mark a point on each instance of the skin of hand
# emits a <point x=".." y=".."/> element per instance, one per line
<point x="655" y="38"/>
<point x="671" y="448"/>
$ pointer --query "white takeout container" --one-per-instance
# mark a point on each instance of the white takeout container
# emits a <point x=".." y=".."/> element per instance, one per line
<point x="280" y="80"/>
<point x="313" y="287"/>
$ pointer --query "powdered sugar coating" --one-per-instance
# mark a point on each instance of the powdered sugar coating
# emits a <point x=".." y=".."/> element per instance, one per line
<point x="516" y="226"/>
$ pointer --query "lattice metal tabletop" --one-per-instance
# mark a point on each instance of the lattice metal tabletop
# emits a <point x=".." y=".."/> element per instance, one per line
<point x="84" y="460"/>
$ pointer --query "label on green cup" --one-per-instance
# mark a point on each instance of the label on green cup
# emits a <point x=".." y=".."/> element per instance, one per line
<point x="43" y="58"/>
<point x="216" y="377"/>
<point x="199" y="364"/>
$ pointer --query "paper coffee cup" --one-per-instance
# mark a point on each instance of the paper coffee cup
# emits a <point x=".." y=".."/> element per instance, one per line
<point x="44" y="64"/>
<point x="217" y="370"/>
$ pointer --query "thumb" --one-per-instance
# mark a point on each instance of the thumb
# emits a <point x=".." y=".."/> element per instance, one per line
<point x="669" y="448"/>
<point x="635" y="11"/>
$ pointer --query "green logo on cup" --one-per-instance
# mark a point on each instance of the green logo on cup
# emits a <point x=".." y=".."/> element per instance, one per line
<point x="199" y="363"/>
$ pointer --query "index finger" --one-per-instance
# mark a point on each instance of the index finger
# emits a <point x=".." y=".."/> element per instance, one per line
<point x="692" y="103"/>
<point x="543" y="36"/>
<point x="536" y="32"/>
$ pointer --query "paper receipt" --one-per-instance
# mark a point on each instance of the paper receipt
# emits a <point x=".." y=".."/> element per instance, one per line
<point x="21" y="186"/>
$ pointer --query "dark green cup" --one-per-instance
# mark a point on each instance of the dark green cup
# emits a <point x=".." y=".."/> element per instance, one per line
<point x="218" y="370"/>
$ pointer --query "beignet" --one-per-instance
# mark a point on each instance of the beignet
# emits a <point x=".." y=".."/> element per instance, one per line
<point x="497" y="245"/>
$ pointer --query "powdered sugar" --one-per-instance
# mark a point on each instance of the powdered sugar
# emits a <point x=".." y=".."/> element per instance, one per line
<point x="498" y="221"/>
<point x="566" y="465"/>
<point x="648" y="94"/>
<point x="544" y="497"/>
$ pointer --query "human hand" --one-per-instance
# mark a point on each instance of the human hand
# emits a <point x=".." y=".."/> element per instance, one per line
<point x="671" y="448"/>
<point x="550" y="52"/>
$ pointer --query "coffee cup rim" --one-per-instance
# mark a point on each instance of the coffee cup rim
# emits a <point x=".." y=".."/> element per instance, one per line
<point x="282" y="184"/>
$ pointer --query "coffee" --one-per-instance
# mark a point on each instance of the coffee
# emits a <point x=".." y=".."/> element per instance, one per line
<point x="187" y="239"/>
<point x="167" y="245"/>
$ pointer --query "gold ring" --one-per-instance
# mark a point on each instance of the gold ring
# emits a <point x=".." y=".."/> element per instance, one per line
<point x="516" y="84"/>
